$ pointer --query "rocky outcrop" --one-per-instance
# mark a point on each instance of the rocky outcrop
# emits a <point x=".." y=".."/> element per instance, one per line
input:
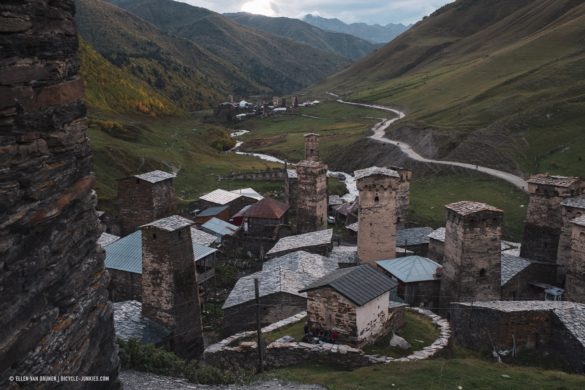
<point x="56" y="318"/>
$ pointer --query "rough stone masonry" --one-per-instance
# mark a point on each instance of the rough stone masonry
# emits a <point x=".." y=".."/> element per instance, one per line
<point x="56" y="318"/>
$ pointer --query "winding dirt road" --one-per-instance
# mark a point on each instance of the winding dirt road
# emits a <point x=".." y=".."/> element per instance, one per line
<point x="380" y="135"/>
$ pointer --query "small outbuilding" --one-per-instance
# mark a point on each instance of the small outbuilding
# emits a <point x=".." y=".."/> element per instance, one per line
<point x="219" y="212"/>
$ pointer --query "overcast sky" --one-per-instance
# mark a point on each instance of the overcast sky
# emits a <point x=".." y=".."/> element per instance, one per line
<point x="368" y="11"/>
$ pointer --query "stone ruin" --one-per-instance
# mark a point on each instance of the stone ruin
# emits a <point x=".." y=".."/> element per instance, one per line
<point x="56" y="318"/>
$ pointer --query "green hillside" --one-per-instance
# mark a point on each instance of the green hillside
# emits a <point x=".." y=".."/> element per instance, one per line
<point x="275" y="62"/>
<point x="499" y="83"/>
<point x="341" y="44"/>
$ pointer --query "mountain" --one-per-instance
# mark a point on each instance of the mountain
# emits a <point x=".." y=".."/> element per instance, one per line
<point x="341" y="44"/>
<point x="373" y="33"/>
<point x="496" y="82"/>
<point x="275" y="62"/>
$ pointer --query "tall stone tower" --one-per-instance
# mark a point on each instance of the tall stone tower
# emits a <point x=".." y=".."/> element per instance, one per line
<point x="312" y="147"/>
<point x="145" y="198"/>
<point x="55" y="315"/>
<point x="472" y="259"/>
<point x="377" y="214"/>
<point x="571" y="208"/>
<point x="169" y="285"/>
<point x="312" y="196"/>
<point x="544" y="218"/>
<point x="402" y="196"/>
<point x="575" y="279"/>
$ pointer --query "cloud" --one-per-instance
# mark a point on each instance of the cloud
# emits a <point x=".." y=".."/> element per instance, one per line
<point x="369" y="11"/>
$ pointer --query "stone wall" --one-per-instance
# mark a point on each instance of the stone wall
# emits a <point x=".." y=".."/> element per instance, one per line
<point x="421" y="293"/>
<point x="436" y="250"/>
<point x="329" y="309"/>
<point x="276" y="174"/>
<point x="312" y="198"/>
<point x="403" y="197"/>
<point x="377" y="218"/>
<point x="312" y="147"/>
<point x="568" y="213"/>
<point x="520" y="286"/>
<point x="124" y="286"/>
<point x="140" y="202"/>
<point x="575" y="281"/>
<point x="56" y="318"/>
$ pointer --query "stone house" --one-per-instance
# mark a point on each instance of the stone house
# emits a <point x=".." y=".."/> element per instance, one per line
<point x="436" y="249"/>
<point x="219" y="212"/>
<point x="524" y="279"/>
<point x="575" y="280"/>
<point x="281" y="280"/>
<point x="554" y="327"/>
<point x="144" y="198"/>
<point x="319" y="242"/>
<point x="352" y="301"/>
<point x="415" y="239"/>
<point x="418" y="279"/>
<point x="264" y="218"/>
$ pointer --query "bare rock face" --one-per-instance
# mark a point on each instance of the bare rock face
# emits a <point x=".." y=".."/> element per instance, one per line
<point x="55" y="316"/>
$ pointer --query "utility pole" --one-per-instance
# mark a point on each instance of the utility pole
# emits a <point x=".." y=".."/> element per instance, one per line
<point x="258" y="326"/>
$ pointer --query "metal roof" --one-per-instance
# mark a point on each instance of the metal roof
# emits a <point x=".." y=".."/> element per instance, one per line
<point x="267" y="208"/>
<point x="248" y="193"/>
<point x="155" y="176"/>
<point x="107" y="238"/>
<point x="577" y="202"/>
<point x="375" y="171"/>
<point x="202" y="251"/>
<point x="220" y="197"/>
<point x="212" y="211"/>
<point x="321" y="237"/>
<point x="219" y="227"/>
<point x="438" y="234"/>
<point x="126" y="254"/>
<point x="360" y="284"/>
<point x="202" y="238"/>
<point x="129" y="323"/>
<point x="170" y="224"/>
<point x="411" y="269"/>
<point x="413" y="236"/>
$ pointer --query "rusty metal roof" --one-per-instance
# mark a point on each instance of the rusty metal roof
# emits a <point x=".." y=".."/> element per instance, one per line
<point x="267" y="208"/>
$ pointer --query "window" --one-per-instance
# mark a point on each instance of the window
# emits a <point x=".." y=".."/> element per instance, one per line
<point x="482" y="273"/>
<point x="377" y="199"/>
<point x="154" y="236"/>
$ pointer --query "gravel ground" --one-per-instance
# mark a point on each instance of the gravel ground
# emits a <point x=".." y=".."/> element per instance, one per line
<point x="134" y="380"/>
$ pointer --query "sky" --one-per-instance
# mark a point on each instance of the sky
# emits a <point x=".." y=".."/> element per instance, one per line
<point x="350" y="11"/>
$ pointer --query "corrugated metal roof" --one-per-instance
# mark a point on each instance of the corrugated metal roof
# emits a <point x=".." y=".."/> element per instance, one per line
<point x="202" y="251"/>
<point x="321" y="237"/>
<point x="360" y="284"/>
<point x="126" y="254"/>
<point x="220" y="197"/>
<point x="411" y="269"/>
<point x="248" y="193"/>
<point x="155" y="176"/>
<point x="219" y="227"/>
<point x="212" y="211"/>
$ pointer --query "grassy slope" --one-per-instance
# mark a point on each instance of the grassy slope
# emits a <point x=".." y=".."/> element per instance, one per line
<point x="275" y="62"/>
<point x="342" y="44"/>
<point x="501" y="83"/>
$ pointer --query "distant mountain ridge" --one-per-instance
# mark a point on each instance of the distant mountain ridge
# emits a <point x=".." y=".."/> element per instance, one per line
<point x="374" y="33"/>
<point x="343" y="44"/>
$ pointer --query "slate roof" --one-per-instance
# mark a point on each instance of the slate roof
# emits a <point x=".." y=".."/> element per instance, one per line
<point x="438" y="234"/>
<point x="267" y="208"/>
<point x="353" y="227"/>
<point x="289" y="273"/>
<point x="213" y="211"/>
<point x="360" y="284"/>
<point x="344" y="255"/>
<point x="363" y="173"/>
<point x="202" y="238"/>
<point x="248" y="193"/>
<point x="107" y="238"/>
<point x="413" y="236"/>
<point x="411" y="269"/>
<point x="551" y="180"/>
<point x="321" y="237"/>
<point x="292" y="174"/>
<point x="347" y="208"/>
<point x="155" y="176"/>
<point x="577" y="202"/>
<point x="579" y="221"/>
<point x="172" y="223"/>
<point x="335" y="200"/>
<point x="129" y="323"/>
<point x="219" y="227"/>
<point x="512" y="266"/>
<point x="468" y="207"/>
<point x="220" y="197"/>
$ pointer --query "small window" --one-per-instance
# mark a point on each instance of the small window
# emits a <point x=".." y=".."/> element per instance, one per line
<point x="482" y="273"/>
<point x="154" y="236"/>
<point x="377" y="199"/>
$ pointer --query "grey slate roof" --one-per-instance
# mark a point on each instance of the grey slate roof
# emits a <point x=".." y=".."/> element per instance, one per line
<point x="353" y="227"/>
<point x="292" y="174"/>
<point x="321" y="237"/>
<point x="202" y="238"/>
<point x="344" y="255"/>
<point x="360" y="284"/>
<point x="579" y="221"/>
<point x="411" y="269"/>
<point x="438" y="234"/>
<point x="512" y="266"/>
<point x="363" y="173"/>
<point x="467" y="207"/>
<point x="551" y="180"/>
<point x="413" y="236"/>
<point x="129" y="323"/>
<point x="155" y="176"/>
<point x="289" y="273"/>
<point x="577" y="202"/>
<point x="220" y="197"/>
<point x="107" y="238"/>
<point x="335" y="200"/>
<point x="172" y="223"/>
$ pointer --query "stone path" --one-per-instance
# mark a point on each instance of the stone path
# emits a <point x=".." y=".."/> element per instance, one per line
<point x="134" y="380"/>
<point x="380" y="135"/>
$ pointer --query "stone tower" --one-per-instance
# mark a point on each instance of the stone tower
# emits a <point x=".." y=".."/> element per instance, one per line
<point x="311" y="202"/>
<point x="403" y="196"/>
<point x="472" y="258"/>
<point x="571" y="208"/>
<point x="575" y="279"/>
<point x="55" y="315"/>
<point x="544" y="218"/>
<point x="312" y="147"/>
<point x="145" y="198"/>
<point x="169" y="285"/>
<point x="377" y="214"/>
